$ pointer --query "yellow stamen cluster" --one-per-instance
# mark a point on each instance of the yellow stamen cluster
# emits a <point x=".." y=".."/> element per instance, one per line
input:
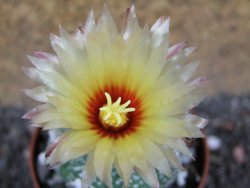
<point x="114" y="114"/>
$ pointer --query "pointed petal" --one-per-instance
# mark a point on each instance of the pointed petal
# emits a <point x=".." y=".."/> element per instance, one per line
<point x="76" y="144"/>
<point x="123" y="164"/>
<point x="155" y="156"/>
<point x="106" y="21"/>
<point x="134" y="152"/>
<point x="46" y="56"/>
<point x="157" y="24"/>
<point x="88" y="175"/>
<point x="55" y="124"/>
<point x="163" y="28"/>
<point x="178" y="145"/>
<point x="56" y="119"/>
<point x="51" y="79"/>
<point x="72" y="68"/>
<point x="188" y="70"/>
<point x="107" y="178"/>
<point x="45" y="64"/>
<point x="189" y="50"/>
<point x="41" y="63"/>
<point x="53" y="145"/>
<point x="40" y="93"/>
<point x="172" y="158"/>
<point x="44" y="116"/>
<point x="199" y="81"/>
<point x="132" y="23"/>
<point x="79" y="34"/>
<point x="194" y="124"/>
<point x="35" y="111"/>
<point x="161" y="33"/>
<point x="170" y="127"/>
<point x="101" y="153"/>
<point x="149" y="176"/>
<point x="175" y="49"/>
<point x="31" y="72"/>
<point x="54" y="39"/>
<point x="90" y="23"/>
<point x="182" y="104"/>
<point x="69" y="44"/>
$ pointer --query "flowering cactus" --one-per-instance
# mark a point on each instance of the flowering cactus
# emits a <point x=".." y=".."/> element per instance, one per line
<point x="123" y="98"/>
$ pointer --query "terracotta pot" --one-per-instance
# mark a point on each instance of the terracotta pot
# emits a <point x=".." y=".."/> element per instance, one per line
<point x="33" y="150"/>
<point x="202" y="163"/>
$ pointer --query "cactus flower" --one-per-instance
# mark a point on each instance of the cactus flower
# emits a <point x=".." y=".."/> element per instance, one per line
<point x="124" y="98"/>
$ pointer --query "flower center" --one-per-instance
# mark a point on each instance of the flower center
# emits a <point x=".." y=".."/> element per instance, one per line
<point x="114" y="115"/>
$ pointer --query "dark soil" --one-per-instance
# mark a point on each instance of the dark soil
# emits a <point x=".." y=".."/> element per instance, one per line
<point x="14" y="140"/>
<point x="229" y="121"/>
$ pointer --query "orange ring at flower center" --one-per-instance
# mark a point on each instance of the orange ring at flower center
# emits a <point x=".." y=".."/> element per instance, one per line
<point x="131" y="119"/>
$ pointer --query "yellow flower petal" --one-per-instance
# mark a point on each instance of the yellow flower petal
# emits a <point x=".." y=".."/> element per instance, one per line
<point x="89" y="174"/>
<point x="168" y="126"/>
<point x="155" y="156"/>
<point x="107" y="177"/>
<point x="103" y="151"/>
<point x="172" y="158"/>
<point x="149" y="176"/>
<point x="135" y="152"/>
<point x="174" y="143"/>
<point x="123" y="165"/>
<point x="76" y="144"/>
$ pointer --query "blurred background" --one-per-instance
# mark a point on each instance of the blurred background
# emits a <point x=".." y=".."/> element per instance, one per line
<point x="220" y="30"/>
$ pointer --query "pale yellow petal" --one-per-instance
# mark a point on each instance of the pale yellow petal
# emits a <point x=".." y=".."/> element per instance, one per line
<point x="64" y="123"/>
<point x="45" y="116"/>
<point x="160" y="33"/>
<point x="102" y="151"/>
<point x="70" y="44"/>
<point x="89" y="25"/>
<point x="35" y="111"/>
<point x="175" y="143"/>
<point x="155" y="156"/>
<point x="53" y="118"/>
<point x="106" y="22"/>
<point x="107" y="177"/>
<point x="149" y="176"/>
<point x="123" y="165"/>
<point x="55" y="124"/>
<point x="179" y="145"/>
<point x="72" y="68"/>
<point x="172" y="158"/>
<point x="176" y="107"/>
<point x="135" y="152"/>
<point x="40" y="93"/>
<point x="132" y="24"/>
<point x="76" y="144"/>
<point x="89" y="174"/>
<point x="169" y="126"/>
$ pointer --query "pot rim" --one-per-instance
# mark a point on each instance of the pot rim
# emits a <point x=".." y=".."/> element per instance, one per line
<point x="32" y="161"/>
<point x="206" y="163"/>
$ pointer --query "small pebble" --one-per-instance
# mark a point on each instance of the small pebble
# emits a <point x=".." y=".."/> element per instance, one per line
<point x="181" y="178"/>
<point x="214" y="143"/>
<point x="239" y="154"/>
<point x="77" y="183"/>
<point x="42" y="159"/>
